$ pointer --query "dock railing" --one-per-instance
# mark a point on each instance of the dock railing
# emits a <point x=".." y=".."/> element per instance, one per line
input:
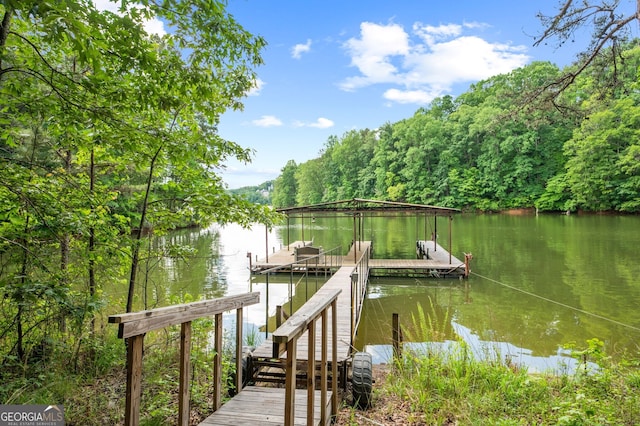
<point x="133" y="327"/>
<point x="286" y="338"/>
<point x="327" y="261"/>
<point x="359" y="278"/>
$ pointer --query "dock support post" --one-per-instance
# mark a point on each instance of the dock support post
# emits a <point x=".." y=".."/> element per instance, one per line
<point x="450" y="248"/>
<point x="435" y="232"/>
<point x="266" y="243"/>
<point x="397" y="336"/>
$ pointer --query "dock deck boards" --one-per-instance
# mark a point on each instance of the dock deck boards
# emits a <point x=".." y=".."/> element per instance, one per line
<point x="265" y="406"/>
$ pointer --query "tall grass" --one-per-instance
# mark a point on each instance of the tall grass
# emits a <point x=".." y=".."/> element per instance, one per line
<point x="441" y="384"/>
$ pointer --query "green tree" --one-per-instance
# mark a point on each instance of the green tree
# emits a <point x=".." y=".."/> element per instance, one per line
<point x="106" y="129"/>
<point x="310" y="179"/>
<point x="285" y="187"/>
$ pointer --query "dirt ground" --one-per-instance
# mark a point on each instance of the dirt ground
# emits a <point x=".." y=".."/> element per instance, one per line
<point x="386" y="409"/>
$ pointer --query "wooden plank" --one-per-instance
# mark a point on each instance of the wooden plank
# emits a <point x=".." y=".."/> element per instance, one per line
<point x="290" y="383"/>
<point x="135" y="347"/>
<point x="217" y="363"/>
<point x="263" y="406"/>
<point x="135" y="323"/>
<point x="299" y="321"/>
<point x="185" y="374"/>
<point x="217" y="305"/>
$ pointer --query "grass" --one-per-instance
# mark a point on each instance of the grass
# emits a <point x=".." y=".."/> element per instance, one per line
<point x="438" y="385"/>
<point x="444" y="388"/>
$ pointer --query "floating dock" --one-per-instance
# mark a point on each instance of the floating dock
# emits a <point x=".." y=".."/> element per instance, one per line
<point x="432" y="260"/>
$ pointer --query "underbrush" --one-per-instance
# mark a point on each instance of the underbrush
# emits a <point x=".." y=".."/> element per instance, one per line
<point x="442" y="388"/>
<point x="92" y="390"/>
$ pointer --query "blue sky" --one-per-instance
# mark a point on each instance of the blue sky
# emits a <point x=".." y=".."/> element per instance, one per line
<point x="334" y="66"/>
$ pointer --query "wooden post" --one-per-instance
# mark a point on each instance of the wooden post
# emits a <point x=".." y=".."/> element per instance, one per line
<point x="355" y="248"/>
<point x="134" y="380"/>
<point x="217" y="363"/>
<point x="450" y="248"/>
<point x="397" y="336"/>
<point x="185" y="363"/>
<point x="334" y="357"/>
<point x="266" y="310"/>
<point x="239" y="353"/>
<point x="323" y="370"/>
<point x="435" y="232"/>
<point x="311" y="371"/>
<point x="278" y="316"/>
<point x="290" y="383"/>
<point x="266" y="244"/>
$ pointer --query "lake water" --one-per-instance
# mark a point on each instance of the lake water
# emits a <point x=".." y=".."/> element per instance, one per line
<point x="537" y="284"/>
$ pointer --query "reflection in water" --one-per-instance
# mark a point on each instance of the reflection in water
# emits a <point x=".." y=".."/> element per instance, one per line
<point x="586" y="262"/>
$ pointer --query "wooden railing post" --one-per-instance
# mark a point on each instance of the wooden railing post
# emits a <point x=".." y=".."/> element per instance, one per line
<point x="135" y="345"/>
<point x="290" y="383"/>
<point x="185" y="363"/>
<point x="217" y="363"/>
<point x="323" y="369"/>
<point x="239" y="353"/>
<point x="133" y="326"/>
<point x="311" y="371"/>
<point x="334" y="357"/>
<point x="286" y="337"/>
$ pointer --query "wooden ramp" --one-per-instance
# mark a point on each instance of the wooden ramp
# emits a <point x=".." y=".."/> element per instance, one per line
<point x="340" y="280"/>
<point x="264" y="406"/>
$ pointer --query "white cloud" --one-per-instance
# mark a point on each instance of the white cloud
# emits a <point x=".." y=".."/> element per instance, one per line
<point x="299" y="49"/>
<point x="372" y="54"/>
<point x="257" y="87"/>
<point x="409" y="96"/>
<point x="427" y="63"/>
<point x="320" y="123"/>
<point x="267" y="121"/>
<point x="151" y="26"/>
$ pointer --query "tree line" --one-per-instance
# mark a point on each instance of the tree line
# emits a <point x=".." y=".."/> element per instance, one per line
<point x="511" y="141"/>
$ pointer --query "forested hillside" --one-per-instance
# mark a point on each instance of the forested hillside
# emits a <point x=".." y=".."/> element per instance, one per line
<point x="505" y="143"/>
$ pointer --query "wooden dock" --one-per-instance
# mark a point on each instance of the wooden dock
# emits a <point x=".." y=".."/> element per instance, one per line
<point x="340" y="280"/>
<point x="432" y="260"/>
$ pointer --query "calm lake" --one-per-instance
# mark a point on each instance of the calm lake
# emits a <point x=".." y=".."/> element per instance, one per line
<point x="537" y="284"/>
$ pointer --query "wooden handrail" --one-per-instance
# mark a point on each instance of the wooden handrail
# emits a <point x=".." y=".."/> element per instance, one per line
<point x="359" y="278"/>
<point x="286" y="337"/>
<point x="133" y="327"/>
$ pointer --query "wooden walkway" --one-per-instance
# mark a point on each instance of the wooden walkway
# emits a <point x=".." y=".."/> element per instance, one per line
<point x="263" y="406"/>
<point x="340" y="280"/>
<point x="266" y="404"/>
